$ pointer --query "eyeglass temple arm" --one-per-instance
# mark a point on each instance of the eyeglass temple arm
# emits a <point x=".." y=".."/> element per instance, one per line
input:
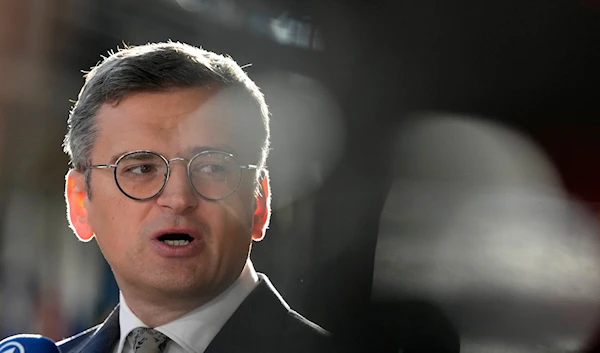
<point x="103" y="166"/>
<point x="249" y="166"/>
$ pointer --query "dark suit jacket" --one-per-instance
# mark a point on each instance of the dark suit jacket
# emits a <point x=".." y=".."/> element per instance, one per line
<point x="263" y="323"/>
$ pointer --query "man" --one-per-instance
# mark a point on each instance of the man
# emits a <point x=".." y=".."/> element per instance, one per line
<point x="168" y="144"/>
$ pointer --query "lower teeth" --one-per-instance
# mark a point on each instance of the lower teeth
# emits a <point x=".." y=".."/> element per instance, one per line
<point x="177" y="242"/>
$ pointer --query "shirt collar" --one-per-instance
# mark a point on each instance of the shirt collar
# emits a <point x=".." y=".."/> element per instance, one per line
<point x="195" y="330"/>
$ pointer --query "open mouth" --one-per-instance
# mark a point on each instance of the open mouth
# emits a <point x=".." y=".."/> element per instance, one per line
<point x="176" y="239"/>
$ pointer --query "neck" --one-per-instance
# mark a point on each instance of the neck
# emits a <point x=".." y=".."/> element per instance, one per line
<point x="156" y="307"/>
<point x="155" y="310"/>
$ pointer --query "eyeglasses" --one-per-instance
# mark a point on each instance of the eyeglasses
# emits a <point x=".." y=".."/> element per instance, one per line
<point x="142" y="175"/>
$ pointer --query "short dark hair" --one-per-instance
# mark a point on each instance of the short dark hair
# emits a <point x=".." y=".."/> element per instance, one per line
<point x="157" y="67"/>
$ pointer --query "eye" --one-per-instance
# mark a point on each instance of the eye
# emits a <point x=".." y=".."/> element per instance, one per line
<point x="141" y="169"/>
<point x="212" y="168"/>
<point x="212" y="171"/>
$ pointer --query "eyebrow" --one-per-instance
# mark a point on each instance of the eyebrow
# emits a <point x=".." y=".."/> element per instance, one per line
<point x="192" y="151"/>
<point x="114" y="158"/>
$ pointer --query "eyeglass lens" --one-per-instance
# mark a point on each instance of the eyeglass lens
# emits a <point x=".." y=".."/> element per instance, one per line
<point x="142" y="175"/>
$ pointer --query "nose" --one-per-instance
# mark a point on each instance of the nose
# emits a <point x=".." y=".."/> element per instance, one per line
<point x="178" y="194"/>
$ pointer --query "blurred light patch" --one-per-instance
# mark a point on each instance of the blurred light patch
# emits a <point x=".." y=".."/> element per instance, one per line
<point x="196" y="5"/>
<point x="307" y="134"/>
<point x="283" y="29"/>
<point x="290" y="31"/>
<point x="477" y="222"/>
<point x="493" y="347"/>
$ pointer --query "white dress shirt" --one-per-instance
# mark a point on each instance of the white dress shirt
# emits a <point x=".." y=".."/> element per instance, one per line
<point x="192" y="332"/>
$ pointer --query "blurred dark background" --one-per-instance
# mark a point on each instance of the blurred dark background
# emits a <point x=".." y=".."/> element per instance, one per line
<point x="435" y="163"/>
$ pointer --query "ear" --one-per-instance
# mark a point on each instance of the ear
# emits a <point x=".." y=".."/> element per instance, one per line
<point x="75" y="195"/>
<point x="262" y="210"/>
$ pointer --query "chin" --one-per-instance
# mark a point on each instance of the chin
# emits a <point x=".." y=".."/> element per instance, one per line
<point x="186" y="286"/>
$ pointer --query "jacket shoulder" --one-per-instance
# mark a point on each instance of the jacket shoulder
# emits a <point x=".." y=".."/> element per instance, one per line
<point x="304" y="326"/>
<point x="265" y="323"/>
<point x="70" y="344"/>
<point x="298" y="334"/>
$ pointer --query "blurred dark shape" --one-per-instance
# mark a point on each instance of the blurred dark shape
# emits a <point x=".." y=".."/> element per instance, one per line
<point x="409" y="326"/>
<point x="575" y="150"/>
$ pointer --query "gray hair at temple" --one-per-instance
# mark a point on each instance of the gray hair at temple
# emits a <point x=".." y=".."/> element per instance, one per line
<point x="158" y="67"/>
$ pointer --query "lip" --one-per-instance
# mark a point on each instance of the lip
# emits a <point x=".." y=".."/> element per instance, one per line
<point x="166" y="250"/>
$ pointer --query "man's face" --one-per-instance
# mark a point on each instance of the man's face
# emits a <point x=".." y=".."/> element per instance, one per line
<point x="172" y="123"/>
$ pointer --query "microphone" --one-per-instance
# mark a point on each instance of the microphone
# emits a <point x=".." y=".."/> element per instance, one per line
<point x="28" y="344"/>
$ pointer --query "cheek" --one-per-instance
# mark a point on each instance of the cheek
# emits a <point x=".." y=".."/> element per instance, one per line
<point x="232" y="219"/>
<point x="112" y="218"/>
<point x="102" y="211"/>
<point x="117" y="233"/>
<point x="105" y="223"/>
<point x="241" y="206"/>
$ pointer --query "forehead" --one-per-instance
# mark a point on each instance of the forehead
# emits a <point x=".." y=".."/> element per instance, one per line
<point x="169" y="122"/>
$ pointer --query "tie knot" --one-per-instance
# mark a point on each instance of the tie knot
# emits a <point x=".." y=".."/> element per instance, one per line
<point x="147" y="340"/>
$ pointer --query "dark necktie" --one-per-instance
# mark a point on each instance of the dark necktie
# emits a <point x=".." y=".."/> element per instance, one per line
<point x="147" y="340"/>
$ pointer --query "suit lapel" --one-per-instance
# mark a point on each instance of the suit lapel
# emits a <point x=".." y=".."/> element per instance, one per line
<point x="262" y="313"/>
<point x="253" y="328"/>
<point x="104" y="338"/>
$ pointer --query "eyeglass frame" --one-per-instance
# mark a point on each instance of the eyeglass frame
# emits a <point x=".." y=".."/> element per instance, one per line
<point x="168" y="163"/>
